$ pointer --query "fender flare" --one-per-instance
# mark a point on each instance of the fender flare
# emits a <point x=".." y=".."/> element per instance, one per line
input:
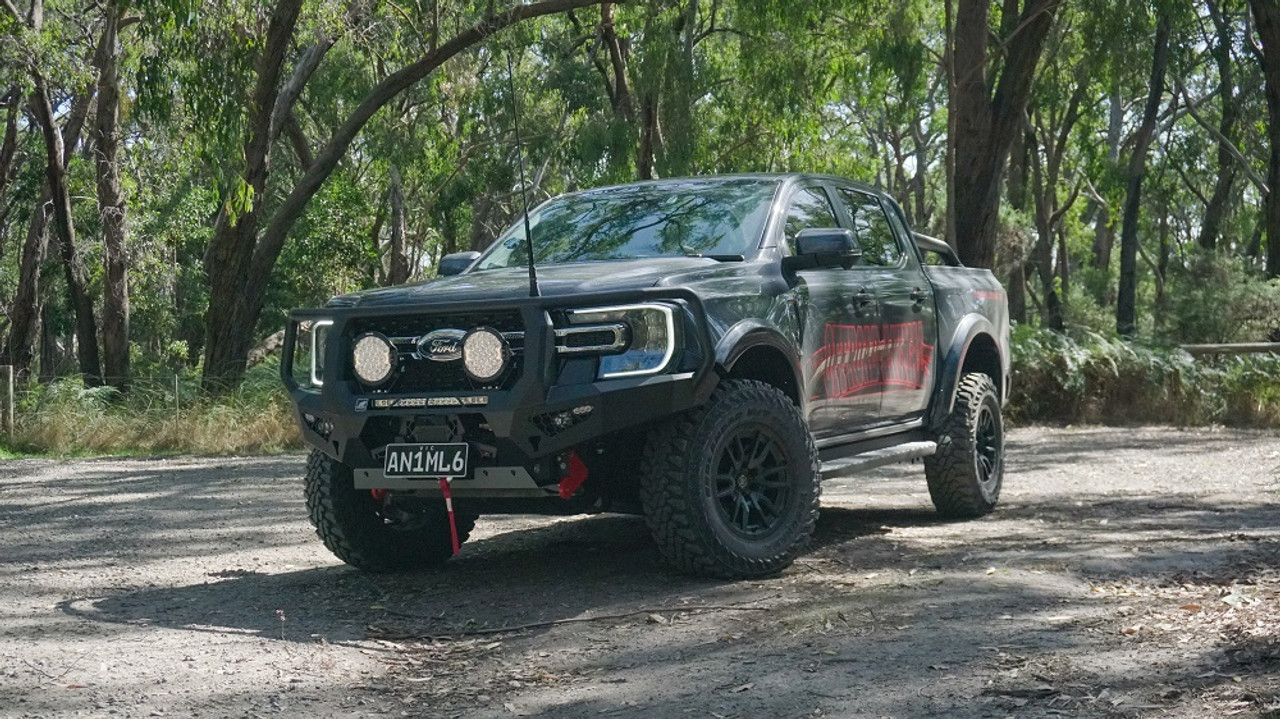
<point x="750" y="334"/>
<point x="944" y="395"/>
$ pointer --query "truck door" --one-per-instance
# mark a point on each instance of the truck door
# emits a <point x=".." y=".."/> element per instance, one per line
<point x="840" y="319"/>
<point x="908" y="323"/>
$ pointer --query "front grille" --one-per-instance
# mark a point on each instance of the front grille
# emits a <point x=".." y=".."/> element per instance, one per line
<point x="418" y="374"/>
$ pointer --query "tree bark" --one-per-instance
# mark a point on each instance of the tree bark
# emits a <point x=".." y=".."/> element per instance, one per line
<point x="987" y="119"/>
<point x="240" y="264"/>
<point x="1126" y="299"/>
<point x="1216" y="209"/>
<point x="1266" y="15"/>
<point x="24" y="328"/>
<point x="398" y="267"/>
<point x="111" y="208"/>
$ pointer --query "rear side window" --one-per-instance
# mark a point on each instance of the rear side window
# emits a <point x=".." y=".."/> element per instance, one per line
<point x="871" y="226"/>
<point x="809" y="208"/>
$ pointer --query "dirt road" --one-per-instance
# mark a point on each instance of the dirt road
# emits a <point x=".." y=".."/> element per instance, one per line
<point x="1127" y="573"/>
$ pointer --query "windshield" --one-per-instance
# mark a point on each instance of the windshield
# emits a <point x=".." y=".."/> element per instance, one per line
<point x="680" y="218"/>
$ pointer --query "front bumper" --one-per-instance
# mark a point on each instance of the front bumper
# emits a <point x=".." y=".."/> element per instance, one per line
<point x="520" y="434"/>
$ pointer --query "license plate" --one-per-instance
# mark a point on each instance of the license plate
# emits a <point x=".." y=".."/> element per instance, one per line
<point x="426" y="461"/>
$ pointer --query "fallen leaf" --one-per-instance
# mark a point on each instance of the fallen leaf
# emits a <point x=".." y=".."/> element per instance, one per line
<point x="1191" y="607"/>
<point x="658" y="619"/>
<point x="743" y="688"/>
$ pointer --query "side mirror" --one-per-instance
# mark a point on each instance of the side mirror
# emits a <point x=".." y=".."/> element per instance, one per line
<point x="456" y="263"/>
<point x="824" y="247"/>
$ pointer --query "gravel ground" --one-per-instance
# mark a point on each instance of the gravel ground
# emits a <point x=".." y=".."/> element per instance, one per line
<point x="1128" y="572"/>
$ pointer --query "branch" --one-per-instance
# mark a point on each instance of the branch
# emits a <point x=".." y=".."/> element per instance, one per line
<point x="297" y="81"/>
<point x="13" y="10"/>
<point x="268" y="250"/>
<point x="1217" y="135"/>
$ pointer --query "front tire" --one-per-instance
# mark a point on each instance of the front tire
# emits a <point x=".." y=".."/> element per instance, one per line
<point x="376" y="535"/>
<point x="966" y="473"/>
<point x="731" y="489"/>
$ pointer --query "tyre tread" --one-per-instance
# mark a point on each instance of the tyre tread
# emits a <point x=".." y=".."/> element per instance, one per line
<point x="951" y="473"/>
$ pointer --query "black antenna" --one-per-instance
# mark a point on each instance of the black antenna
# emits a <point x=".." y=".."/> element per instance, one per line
<point x="524" y="192"/>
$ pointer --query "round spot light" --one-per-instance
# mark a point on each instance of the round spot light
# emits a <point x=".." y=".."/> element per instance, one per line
<point x="373" y="358"/>
<point x="485" y="354"/>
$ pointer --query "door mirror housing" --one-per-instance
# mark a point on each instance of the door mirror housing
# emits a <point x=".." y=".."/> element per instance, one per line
<point x="824" y="247"/>
<point x="456" y="263"/>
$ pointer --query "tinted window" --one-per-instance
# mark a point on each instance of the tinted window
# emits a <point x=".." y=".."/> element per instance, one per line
<point x="809" y="208"/>
<point x="661" y="219"/>
<point x="871" y="226"/>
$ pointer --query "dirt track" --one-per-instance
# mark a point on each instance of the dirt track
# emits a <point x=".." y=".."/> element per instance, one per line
<point x="1127" y="573"/>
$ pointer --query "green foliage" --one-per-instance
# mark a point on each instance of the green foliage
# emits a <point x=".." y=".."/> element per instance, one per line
<point x="1215" y="298"/>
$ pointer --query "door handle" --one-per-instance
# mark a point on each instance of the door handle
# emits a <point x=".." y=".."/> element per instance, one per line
<point x="862" y="298"/>
<point x="918" y="296"/>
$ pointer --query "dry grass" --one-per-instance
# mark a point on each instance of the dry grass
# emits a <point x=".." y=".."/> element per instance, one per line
<point x="65" y="419"/>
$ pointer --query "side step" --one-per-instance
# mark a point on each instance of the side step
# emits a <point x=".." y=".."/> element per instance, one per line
<point x="877" y="458"/>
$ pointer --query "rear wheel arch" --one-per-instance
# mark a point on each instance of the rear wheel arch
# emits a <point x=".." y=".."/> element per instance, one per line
<point x="973" y="349"/>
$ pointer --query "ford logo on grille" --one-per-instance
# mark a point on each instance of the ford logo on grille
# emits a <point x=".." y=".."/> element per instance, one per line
<point x="441" y="345"/>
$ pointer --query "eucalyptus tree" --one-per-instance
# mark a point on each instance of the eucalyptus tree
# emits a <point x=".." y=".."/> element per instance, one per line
<point x="1266" y="15"/>
<point x="37" y="48"/>
<point x="251" y="234"/>
<point x="993" y="63"/>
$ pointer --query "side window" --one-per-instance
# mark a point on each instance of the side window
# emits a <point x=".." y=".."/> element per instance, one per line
<point x="871" y="226"/>
<point x="809" y="208"/>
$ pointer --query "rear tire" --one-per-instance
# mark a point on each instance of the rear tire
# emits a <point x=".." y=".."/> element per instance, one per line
<point x="731" y="489"/>
<point x="376" y="535"/>
<point x="966" y="473"/>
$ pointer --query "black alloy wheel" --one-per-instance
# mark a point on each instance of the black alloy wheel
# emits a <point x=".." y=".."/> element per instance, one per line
<point x="751" y="484"/>
<point x="730" y="489"/>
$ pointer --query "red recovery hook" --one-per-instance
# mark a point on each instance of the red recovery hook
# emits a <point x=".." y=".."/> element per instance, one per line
<point x="576" y="476"/>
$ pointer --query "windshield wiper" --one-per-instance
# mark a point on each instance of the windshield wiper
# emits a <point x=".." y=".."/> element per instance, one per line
<point x="719" y="258"/>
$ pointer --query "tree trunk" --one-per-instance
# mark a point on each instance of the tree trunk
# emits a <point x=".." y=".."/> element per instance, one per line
<point x="24" y="328"/>
<point x="1042" y="253"/>
<point x="77" y="282"/>
<point x="987" y="119"/>
<point x="230" y="326"/>
<point x="111" y="208"/>
<point x="399" y="264"/>
<point x="1217" y="207"/>
<point x="1266" y="14"/>
<point x="9" y="146"/>
<point x="1126" y="300"/>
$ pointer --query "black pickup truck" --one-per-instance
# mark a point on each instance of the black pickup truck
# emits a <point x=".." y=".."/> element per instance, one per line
<point x="703" y="351"/>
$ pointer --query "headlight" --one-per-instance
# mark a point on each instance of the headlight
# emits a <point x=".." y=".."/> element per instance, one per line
<point x="485" y="354"/>
<point x="634" y="340"/>
<point x="374" y="358"/>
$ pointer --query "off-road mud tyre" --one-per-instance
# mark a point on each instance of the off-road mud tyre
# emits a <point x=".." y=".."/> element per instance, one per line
<point x="369" y="534"/>
<point x="966" y="473"/>
<point x="698" y="483"/>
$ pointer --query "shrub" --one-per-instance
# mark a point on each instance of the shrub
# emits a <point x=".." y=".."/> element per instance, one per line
<point x="1104" y="380"/>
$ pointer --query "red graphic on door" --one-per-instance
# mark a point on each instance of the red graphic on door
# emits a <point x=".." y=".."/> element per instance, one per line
<point x="855" y="359"/>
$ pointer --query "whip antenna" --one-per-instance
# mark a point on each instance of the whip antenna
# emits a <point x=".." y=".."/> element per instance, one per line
<point x="524" y="191"/>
